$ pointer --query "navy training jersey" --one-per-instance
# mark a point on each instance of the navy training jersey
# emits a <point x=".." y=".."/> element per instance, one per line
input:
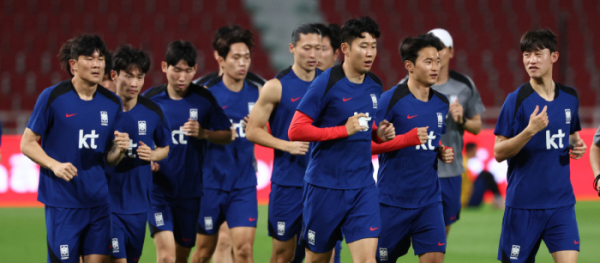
<point x="251" y="78"/>
<point x="408" y="177"/>
<point x="79" y="132"/>
<point x="330" y="100"/>
<point x="130" y="182"/>
<point x="539" y="175"/>
<point x="232" y="166"/>
<point x="180" y="174"/>
<point x="288" y="169"/>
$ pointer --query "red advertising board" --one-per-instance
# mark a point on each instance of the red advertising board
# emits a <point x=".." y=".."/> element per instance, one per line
<point x="19" y="176"/>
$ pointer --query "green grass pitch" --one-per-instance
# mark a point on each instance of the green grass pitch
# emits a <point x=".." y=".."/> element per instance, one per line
<point x="474" y="238"/>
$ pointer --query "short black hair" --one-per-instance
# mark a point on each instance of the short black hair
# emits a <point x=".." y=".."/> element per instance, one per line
<point x="470" y="146"/>
<point x="108" y="58"/>
<point x="354" y="28"/>
<point x="85" y="45"/>
<point x="221" y="32"/>
<point x="126" y="58"/>
<point x="538" y="40"/>
<point x="410" y="46"/>
<point x="332" y="32"/>
<point x="236" y="34"/>
<point x="304" y="29"/>
<point x="181" y="50"/>
<point x="64" y="55"/>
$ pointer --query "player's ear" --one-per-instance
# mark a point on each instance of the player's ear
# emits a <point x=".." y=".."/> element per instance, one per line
<point x="408" y="65"/>
<point x="451" y="51"/>
<point x="216" y="55"/>
<point x="113" y="75"/>
<point x="195" y="68"/>
<point x="73" y="65"/>
<point x="291" y="46"/>
<point x="164" y="66"/>
<point x="554" y="56"/>
<point x="345" y="48"/>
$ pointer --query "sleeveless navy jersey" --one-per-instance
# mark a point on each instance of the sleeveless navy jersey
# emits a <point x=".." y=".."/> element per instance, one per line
<point x="330" y="100"/>
<point x="232" y="166"/>
<point x="76" y="131"/>
<point x="180" y="174"/>
<point x="539" y="175"/>
<point x="288" y="169"/>
<point x="408" y="177"/>
<point x="130" y="181"/>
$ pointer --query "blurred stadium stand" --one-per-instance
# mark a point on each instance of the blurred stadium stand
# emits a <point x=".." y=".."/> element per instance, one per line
<point x="486" y="35"/>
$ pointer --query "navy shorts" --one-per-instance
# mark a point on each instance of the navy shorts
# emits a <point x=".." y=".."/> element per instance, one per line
<point x="451" y="191"/>
<point x="285" y="212"/>
<point x="238" y="207"/>
<point x="128" y="233"/>
<point x="524" y="229"/>
<point x="179" y="216"/>
<point x="424" y="226"/>
<point x="74" y="232"/>
<point x="329" y="213"/>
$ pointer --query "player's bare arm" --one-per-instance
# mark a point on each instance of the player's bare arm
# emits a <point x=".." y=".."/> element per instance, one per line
<point x="256" y="132"/>
<point x="193" y="129"/>
<point x="505" y="148"/>
<point x="119" y="148"/>
<point x="577" y="146"/>
<point x="147" y="154"/>
<point x="595" y="163"/>
<point x="32" y="149"/>
<point x="472" y="125"/>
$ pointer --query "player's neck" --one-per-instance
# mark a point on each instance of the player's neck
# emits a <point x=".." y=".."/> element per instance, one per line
<point x="84" y="88"/>
<point x="128" y="104"/>
<point x="353" y="75"/>
<point x="233" y="84"/>
<point x="443" y="76"/>
<point x="420" y="91"/>
<point x="544" y="86"/>
<point x="306" y="75"/>
<point x="176" y="94"/>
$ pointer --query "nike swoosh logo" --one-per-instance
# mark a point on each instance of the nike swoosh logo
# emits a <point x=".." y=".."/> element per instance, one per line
<point x="441" y="244"/>
<point x="252" y="219"/>
<point x="410" y="117"/>
<point x="294" y="100"/>
<point x="225" y="107"/>
<point x="576" y="242"/>
<point x="373" y="228"/>
<point x="344" y="99"/>
<point x="186" y="240"/>
<point x="71" y="115"/>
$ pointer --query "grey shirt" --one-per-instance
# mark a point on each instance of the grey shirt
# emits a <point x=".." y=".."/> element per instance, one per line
<point x="459" y="87"/>
<point x="597" y="137"/>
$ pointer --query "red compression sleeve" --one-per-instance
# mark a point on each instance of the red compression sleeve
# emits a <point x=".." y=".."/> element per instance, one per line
<point x="301" y="129"/>
<point x="376" y="138"/>
<point x="411" y="138"/>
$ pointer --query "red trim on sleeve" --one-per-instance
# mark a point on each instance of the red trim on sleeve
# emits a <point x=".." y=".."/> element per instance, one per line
<point x="411" y="138"/>
<point x="301" y="129"/>
<point x="376" y="138"/>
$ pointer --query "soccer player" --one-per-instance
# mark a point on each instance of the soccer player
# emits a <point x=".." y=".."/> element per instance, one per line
<point x="409" y="190"/>
<point x="340" y="196"/>
<point x="107" y="80"/>
<point x="229" y="171"/>
<point x="77" y="121"/>
<point x="195" y="118"/>
<point x="276" y="105"/>
<point x="251" y="77"/>
<point x="331" y="45"/>
<point x="537" y="132"/>
<point x="130" y="182"/>
<point x="594" y="159"/>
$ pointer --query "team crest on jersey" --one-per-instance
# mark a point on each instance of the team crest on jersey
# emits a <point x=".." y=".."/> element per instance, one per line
<point x="383" y="254"/>
<point x="142" y="127"/>
<point x="250" y="106"/>
<point x="440" y="119"/>
<point x="104" y="118"/>
<point x="568" y="115"/>
<point x="374" y="99"/>
<point x="280" y="228"/>
<point x="159" y="219"/>
<point x="208" y="223"/>
<point x="115" y="245"/>
<point x="514" y="252"/>
<point x="311" y="237"/>
<point x="64" y="252"/>
<point x="194" y="114"/>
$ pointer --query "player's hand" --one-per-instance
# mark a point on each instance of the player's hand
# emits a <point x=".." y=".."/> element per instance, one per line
<point x="446" y="154"/>
<point x="155" y="166"/>
<point x="144" y="152"/>
<point x="245" y="122"/>
<point x="422" y="133"/>
<point x="193" y="129"/>
<point x="233" y="133"/>
<point x="457" y="111"/>
<point x="538" y="122"/>
<point x="578" y="149"/>
<point x="353" y="125"/>
<point x="65" y="171"/>
<point x="297" y="148"/>
<point x="386" y="131"/>
<point x="122" y="141"/>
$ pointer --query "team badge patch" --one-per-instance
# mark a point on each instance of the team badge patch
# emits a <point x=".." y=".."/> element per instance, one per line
<point x="194" y="114"/>
<point x="250" y="106"/>
<point x="311" y="237"/>
<point x="374" y="99"/>
<point x="142" y="127"/>
<point x="208" y="223"/>
<point x="440" y="119"/>
<point x="514" y="252"/>
<point x="568" y="115"/>
<point x="158" y="218"/>
<point x="104" y="118"/>
<point x="115" y="245"/>
<point x="64" y="252"/>
<point x="280" y="228"/>
<point x="383" y="254"/>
